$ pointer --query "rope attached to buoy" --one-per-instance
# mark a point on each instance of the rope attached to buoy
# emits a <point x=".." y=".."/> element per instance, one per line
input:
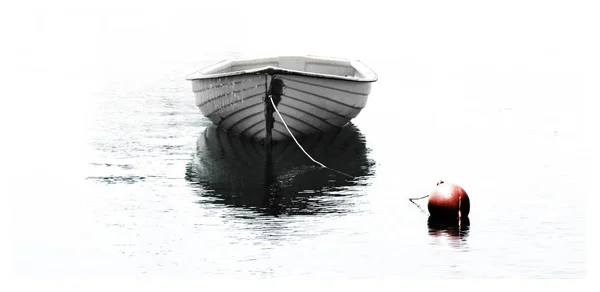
<point x="310" y="157"/>
<point x="412" y="200"/>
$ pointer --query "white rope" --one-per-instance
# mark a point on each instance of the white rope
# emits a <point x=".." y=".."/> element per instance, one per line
<point x="310" y="157"/>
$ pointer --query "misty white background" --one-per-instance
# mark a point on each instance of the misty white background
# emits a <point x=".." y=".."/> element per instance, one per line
<point x="55" y="55"/>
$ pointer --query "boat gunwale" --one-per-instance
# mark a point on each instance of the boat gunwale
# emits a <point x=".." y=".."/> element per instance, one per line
<point x="370" y="75"/>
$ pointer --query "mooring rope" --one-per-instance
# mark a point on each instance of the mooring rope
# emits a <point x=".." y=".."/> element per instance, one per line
<point x="293" y="137"/>
<point x="412" y="200"/>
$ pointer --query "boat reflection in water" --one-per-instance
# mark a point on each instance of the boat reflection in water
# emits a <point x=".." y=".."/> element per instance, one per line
<point x="238" y="172"/>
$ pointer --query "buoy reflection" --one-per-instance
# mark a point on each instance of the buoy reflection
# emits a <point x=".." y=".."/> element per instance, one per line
<point x="455" y="232"/>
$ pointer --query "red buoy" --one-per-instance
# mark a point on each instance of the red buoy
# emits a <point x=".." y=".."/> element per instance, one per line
<point x="448" y="201"/>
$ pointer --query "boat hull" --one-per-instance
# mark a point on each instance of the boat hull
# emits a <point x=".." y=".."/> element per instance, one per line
<point x="309" y="105"/>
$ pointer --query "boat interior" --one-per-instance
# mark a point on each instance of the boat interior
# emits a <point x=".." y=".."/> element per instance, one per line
<point x="311" y="65"/>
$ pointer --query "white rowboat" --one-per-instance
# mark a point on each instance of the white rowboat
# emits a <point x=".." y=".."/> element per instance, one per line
<point x="314" y="95"/>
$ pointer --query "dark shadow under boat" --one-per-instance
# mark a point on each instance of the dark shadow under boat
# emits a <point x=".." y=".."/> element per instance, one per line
<point x="239" y="172"/>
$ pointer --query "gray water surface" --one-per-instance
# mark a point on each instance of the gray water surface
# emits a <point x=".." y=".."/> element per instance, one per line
<point x="166" y="194"/>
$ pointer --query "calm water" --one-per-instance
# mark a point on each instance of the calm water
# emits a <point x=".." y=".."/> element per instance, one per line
<point x="168" y="195"/>
<point x="159" y="192"/>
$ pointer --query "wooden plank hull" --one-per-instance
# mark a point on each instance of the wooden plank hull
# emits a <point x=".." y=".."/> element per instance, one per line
<point x="309" y="105"/>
